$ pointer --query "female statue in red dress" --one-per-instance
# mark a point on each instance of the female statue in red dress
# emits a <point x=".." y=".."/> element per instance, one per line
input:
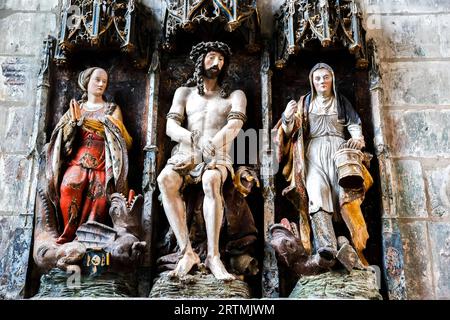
<point x="88" y="148"/>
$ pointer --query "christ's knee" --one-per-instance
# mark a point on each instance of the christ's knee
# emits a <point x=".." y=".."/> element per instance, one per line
<point x="169" y="181"/>
<point x="211" y="181"/>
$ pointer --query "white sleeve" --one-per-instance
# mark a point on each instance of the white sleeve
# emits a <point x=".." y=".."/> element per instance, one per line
<point x="355" y="131"/>
<point x="287" y="128"/>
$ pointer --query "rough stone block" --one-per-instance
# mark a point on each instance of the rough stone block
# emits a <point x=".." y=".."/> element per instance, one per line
<point x="108" y="285"/>
<point x="6" y="224"/>
<point x="419" y="133"/>
<point x="438" y="181"/>
<point x="3" y="121"/>
<point x="200" y="285"/>
<point x="19" y="254"/>
<point x="19" y="128"/>
<point x="393" y="260"/>
<point x="444" y="31"/>
<point x="440" y="248"/>
<point x="29" y="5"/>
<point x="17" y="79"/>
<point x="14" y="250"/>
<point x="418" y="273"/>
<point x="405" y="6"/>
<point x="410" y="191"/>
<point x="411" y="36"/>
<point x="23" y="33"/>
<point x="14" y="172"/>
<point x="416" y="83"/>
<point x="359" y="284"/>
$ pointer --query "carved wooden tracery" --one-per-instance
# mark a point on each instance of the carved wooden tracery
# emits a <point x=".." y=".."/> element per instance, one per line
<point x="103" y="24"/>
<point x="329" y="21"/>
<point x="187" y="14"/>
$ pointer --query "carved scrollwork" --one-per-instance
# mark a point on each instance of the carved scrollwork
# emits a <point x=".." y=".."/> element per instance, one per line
<point x="104" y="24"/>
<point x="298" y="22"/>
<point x="187" y="14"/>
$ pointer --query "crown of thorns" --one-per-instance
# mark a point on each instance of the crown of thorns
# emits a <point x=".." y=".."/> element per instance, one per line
<point x="205" y="47"/>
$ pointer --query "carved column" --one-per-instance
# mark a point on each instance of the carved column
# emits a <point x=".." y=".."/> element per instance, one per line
<point x="37" y="142"/>
<point x="149" y="175"/>
<point x="42" y="96"/>
<point x="270" y="269"/>
<point x="393" y="260"/>
<point x="39" y="137"/>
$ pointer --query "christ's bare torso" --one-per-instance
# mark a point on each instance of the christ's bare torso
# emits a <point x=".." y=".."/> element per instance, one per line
<point x="207" y="114"/>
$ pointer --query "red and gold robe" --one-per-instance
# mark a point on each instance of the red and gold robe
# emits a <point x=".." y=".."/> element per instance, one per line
<point x="94" y="153"/>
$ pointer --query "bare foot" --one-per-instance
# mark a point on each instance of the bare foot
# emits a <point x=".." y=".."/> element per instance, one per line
<point x="217" y="268"/>
<point x="185" y="265"/>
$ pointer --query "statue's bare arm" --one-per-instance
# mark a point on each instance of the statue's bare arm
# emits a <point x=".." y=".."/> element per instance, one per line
<point x="227" y="134"/>
<point x="173" y="129"/>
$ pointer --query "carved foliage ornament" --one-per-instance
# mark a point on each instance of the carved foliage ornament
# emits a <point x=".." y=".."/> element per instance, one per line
<point x="102" y="24"/>
<point x="329" y="21"/>
<point x="186" y="14"/>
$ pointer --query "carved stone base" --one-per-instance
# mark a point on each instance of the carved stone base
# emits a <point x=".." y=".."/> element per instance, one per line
<point x="359" y="284"/>
<point x="59" y="284"/>
<point x="198" y="285"/>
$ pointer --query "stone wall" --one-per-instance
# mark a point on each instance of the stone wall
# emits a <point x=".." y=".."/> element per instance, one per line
<point x="413" y="43"/>
<point x="24" y="24"/>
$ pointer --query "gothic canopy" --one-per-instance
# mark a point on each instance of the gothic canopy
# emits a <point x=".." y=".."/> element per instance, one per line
<point x="329" y="22"/>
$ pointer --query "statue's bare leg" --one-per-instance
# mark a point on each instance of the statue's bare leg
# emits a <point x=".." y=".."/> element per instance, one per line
<point x="169" y="183"/>
<point x="213" y="214"/>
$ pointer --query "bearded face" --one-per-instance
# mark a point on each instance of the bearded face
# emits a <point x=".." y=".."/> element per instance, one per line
<point x="213" y="64"/>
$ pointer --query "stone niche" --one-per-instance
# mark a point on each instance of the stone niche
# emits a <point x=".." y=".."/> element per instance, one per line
<point x="337" y="39"/>
<point x="244" y="74"/>
<point x="127" y="87"/>
<point x="123" y="47"/>
<point x="290" y="83"/>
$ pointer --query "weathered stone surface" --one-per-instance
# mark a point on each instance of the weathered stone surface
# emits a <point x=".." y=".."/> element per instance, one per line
<point x="438" y="181"/>
<point x="411" y="36"/>
<point x="440" y="248"/>
<point x="19" y="254"/>
<point x="359" y="284"/>
<point x="19" y="128"/>
<point x="419" y="133"/>
<point x="29" y="5"/>
<point x="416" y="83"/>
<point x="393" y="260"/>
<point x="14" y="250"/>
<point x="417" y="258"/>
<point x="13" y="177"/>
<point x="198" y="286"/>
<point x="444" y="30"/>
<point x="23" y="33"/>
<point x="17" y="79"/>
<point x="405" y="6"/>
<point x="3" y="121"/>
<point x="6" y="226"/>
<point x="410" y="191"/>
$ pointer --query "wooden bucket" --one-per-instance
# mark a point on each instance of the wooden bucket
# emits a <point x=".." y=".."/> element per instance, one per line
<point x="349" y="168"/>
